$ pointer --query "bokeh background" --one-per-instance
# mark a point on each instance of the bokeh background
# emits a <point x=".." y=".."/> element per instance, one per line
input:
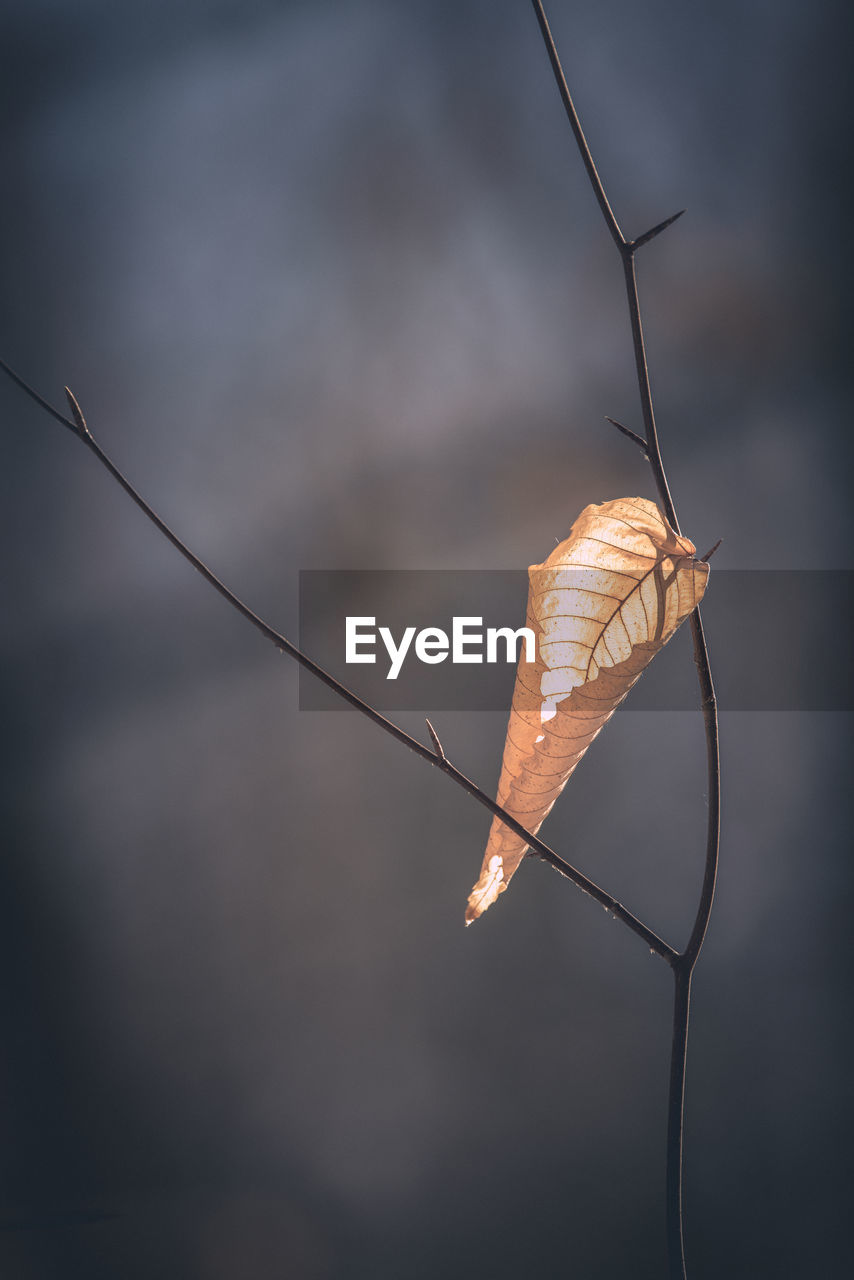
<point x="331" y="287"/>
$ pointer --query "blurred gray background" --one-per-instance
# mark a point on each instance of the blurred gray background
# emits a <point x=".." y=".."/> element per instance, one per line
<point x="332" y="289"/>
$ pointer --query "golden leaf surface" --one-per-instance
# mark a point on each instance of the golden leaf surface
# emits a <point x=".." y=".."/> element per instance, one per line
<point x="601" y="606"/>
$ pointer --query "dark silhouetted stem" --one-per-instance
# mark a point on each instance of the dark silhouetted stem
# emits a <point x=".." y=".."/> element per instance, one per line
<point x="683" y="965"/>
<point x="675" y="1110"/>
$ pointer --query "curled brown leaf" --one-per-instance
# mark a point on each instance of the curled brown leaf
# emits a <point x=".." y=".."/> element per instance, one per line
<point x="601" y="606"/>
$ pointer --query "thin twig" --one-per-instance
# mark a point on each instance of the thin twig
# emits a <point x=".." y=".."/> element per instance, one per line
<point x="575" y="125"/>
<point x="437" y="758"/>
<point x="632" y="435"/>
<point x="683" y="966"/>
<point x="654" y="231"/>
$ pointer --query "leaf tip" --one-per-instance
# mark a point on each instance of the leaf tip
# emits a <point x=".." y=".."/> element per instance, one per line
<point x="487" y="889"/>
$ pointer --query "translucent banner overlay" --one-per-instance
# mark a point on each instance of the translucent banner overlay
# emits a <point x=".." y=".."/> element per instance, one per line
<point x="780" y="640"/>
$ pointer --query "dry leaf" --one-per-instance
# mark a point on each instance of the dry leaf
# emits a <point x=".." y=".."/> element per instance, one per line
<point x="601" y="606"/>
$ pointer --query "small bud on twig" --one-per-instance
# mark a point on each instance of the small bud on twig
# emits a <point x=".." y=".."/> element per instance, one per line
<point x="436" y="743"/>
<point x="76" y="413"/>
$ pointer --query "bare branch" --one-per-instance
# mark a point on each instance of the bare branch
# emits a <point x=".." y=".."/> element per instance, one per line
<point x="537" y="846"/>
<point x="575" y="125"/>
<point x="684" y="965"/>
<point x="40" y="400"/>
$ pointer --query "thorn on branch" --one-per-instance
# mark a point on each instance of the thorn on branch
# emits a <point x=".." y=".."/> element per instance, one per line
<point x="707" y="557"/>
<point x="653" y="232"/>
<point x="639" y="440"/>
<point x="76" y="413"/>
<point x="436" y="743"/>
